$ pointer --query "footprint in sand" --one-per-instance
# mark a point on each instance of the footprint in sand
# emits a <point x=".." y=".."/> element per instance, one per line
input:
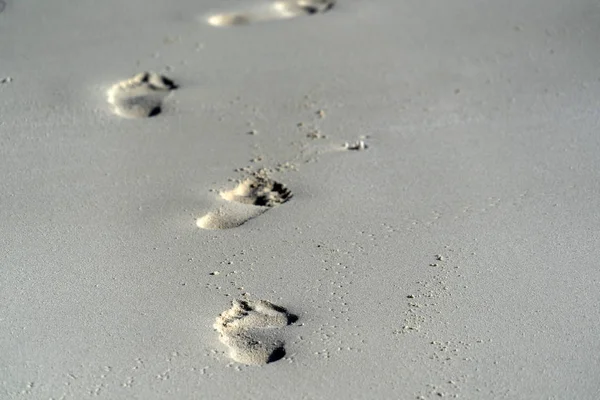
<point x="283" y="9"/>
<point x="140" y="96"/>
<point x="249" y="199"/>
<point x="251" y="331"/>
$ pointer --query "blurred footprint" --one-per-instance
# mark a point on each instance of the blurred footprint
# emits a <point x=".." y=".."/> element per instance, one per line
<point x="282" y="9"/>
<point x="251" y="198"/>
<point x="140" y="96"/>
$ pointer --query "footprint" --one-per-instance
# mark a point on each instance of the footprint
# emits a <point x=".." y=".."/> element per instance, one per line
<point x="250" y="330"/>
<point x="140" y="96"/>
<point x="283" y="9"/>
<point x="251" y="198"/>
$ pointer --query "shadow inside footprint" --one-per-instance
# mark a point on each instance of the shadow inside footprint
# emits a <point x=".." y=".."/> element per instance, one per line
<point x="276" y="355"/>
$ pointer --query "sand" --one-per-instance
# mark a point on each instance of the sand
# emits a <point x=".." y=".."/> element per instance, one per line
<point x="454" y="254"/>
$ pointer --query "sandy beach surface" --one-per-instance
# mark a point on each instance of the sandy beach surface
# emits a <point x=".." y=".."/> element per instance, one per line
<point x="391" y="199"/>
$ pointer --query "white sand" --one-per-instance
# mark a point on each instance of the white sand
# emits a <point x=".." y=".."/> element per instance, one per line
<point x="483" y="148"/>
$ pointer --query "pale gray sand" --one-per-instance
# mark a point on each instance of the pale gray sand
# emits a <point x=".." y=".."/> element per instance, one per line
<point x="483" y="149"/>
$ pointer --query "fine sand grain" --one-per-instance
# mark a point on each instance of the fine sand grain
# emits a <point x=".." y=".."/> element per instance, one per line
<point x="449" y="250"/>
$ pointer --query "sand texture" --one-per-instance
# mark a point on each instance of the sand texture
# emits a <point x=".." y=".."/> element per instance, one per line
<point x="415" y="181"/>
